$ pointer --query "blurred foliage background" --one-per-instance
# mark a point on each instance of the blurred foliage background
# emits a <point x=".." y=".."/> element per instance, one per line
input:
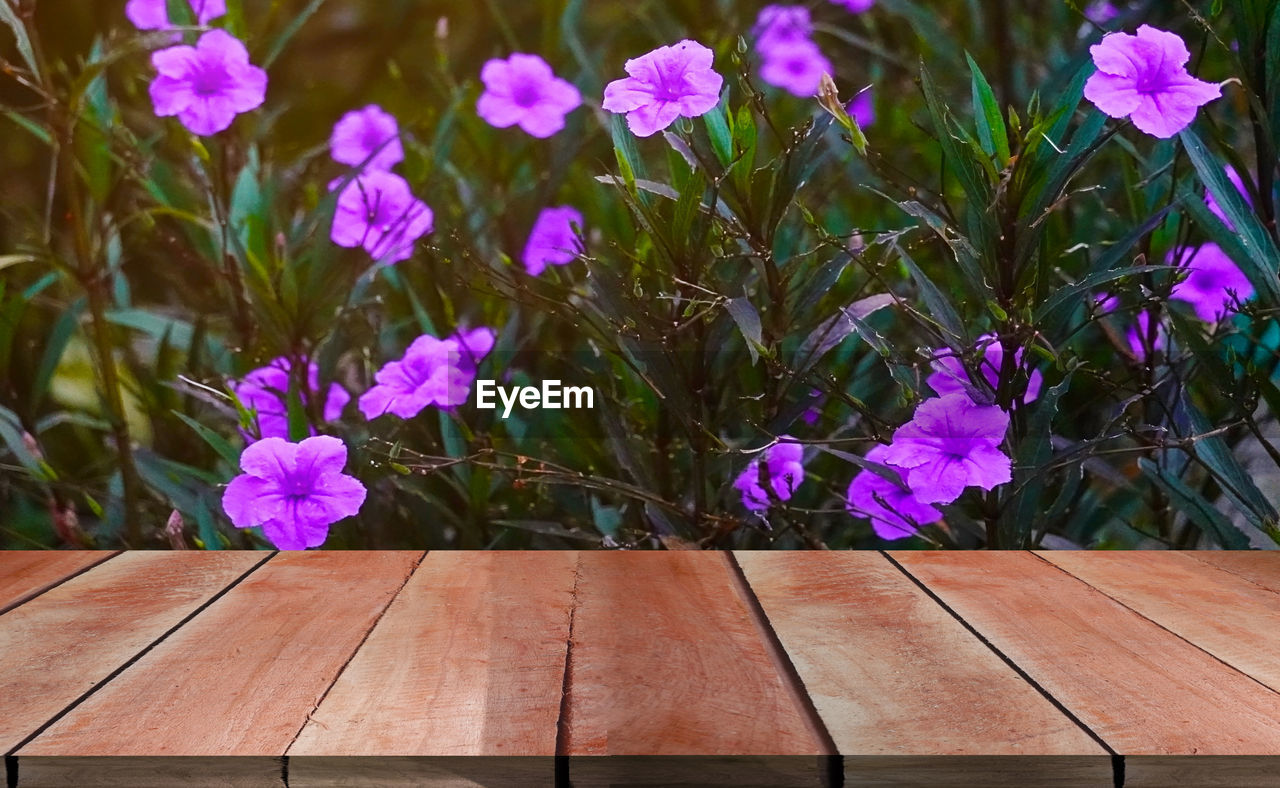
<point x="722" y="300"/>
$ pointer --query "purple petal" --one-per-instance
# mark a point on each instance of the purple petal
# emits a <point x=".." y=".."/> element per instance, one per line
<point x="242" y="500"/>
<point x="272" y="459"/>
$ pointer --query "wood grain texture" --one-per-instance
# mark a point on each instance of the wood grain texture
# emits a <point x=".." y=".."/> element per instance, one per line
<point x="242" y="677"/>
<point x="666" y="659"/>
<point x="1223" y="613"/>
<point x="57" y="646"/>
<point x="469" y="660"/>
<point x="1258" y="566"/>
<point x="410" y="772"/>
<point x="676" y="771"/>
<point x="25" y="574"/>
<point x="118" y="772"/>
<point x="1142" y="689"/>
<point x="893" y="673"/>
<point x="979" y="771"/>
<point x="1202" y="771"/>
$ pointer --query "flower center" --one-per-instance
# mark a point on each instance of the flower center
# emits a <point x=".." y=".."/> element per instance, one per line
<point x="671" y="82"/>
<point x="372" y="139"/>
<point x="209" y="80"/>
<point x="526" y="94"/>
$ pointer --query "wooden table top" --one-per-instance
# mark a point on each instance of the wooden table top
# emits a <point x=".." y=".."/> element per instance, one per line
<point x="778" y="669"/>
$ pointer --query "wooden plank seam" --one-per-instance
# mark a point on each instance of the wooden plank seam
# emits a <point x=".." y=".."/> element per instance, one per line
<point x="564" y="718"/>
<point x="1227" y="561"/>
<point x="1117" y="760"/>
<point x="1269" y="690"/>
<point x="284" y="758"/>
<point x="22" y="600"/>
<point x="832" y="762"/>
<point x="12" y="764"/>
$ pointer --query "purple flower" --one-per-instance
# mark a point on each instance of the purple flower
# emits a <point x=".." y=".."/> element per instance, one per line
<point x="797" y="67"/>
<point x="1105" y="304"/>
<point x="378" y="212"/>
<point x="813" y="413"/>
<point x="863" y="108"/>
<point x="207" y="85"/>
<point x="1212" y="202"/>
<point x="1144" y="77"/>
<point x="366" y="133"/>
<point x="664" y="84"/>
<point x="1140" y="332"/>
<point x="154" y="14"/>
<point x="856" y="6"/>
<point x="266" y="391"/>
<point x="951" y="443"/>
<point x="294" y="491"/>
<point x="1214" y="283"/>
<point x="1101" y="12"/>
<point x="893" y="510"/>
<point x="780" y="25"/>
<point x="553" y="240"/>
<point x="522" y="90"/>
<point x="432" y="372"/>
<point x="949" y="375"/>
<point x="784" y="466"/>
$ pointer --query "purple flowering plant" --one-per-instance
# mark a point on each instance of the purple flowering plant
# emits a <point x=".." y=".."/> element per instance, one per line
<point x="368" y="137"/>
<point x="523" y="91"/>
<point x="207" y="85"/>
<point x="276" y="272"/>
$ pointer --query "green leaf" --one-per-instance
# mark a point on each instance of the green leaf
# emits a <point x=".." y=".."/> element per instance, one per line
<point x="939" y="306"/>
<point x="11" y="432"/>
<point x="295" y="24"/>
<point x="624" y="150"/>
<point x="991" y="129"/>
<point x="748" y="319"/>
<point x="1211" y="521"/>
<point x="718" y="130"/>
<point x="957" y="161"/>
<point x="55" y="346"/>
<point x="215" y="441"/>
<point x="1035" y="452"/>
<point x="1254" y="238"/>
<point x="299" y="424"/>
<point x="834" y="330"/>
<point x="10" y="17"/>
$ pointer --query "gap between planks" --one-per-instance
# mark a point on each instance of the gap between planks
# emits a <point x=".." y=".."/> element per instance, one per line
<point x="781" y="660"/>
<point x="1143" y="612"/>
<point x="139" y="655"/>
<point x="1117" y="759"/>
<point x="21" y="598"/>
<point x="364" y="639"/>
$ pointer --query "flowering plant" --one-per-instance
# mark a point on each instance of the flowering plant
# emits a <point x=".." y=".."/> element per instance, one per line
<point x="838" y="274"/>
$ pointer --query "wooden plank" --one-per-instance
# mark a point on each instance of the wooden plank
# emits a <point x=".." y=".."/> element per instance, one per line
<point x="968" y="771"/>
<point x="893" y="673"/>
<point x="667" y="659"/>
<point x="25" y="574"/>
<point x="207" y="772"/>
<point x="1232" y="618"/>
<point x="1257" y="566"/>
<point x="469" y="660"/>
<point x="241" y="678"/>
<point x="1202" y="771"/>
<point x="56" y="647"/>
<point x="427" y="772"/>
<point x="696" y="771"/>
<point x="1142" y="689"/>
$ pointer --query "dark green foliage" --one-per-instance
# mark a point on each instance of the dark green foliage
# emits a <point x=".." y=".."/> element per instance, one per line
<point x="764" y="270"/>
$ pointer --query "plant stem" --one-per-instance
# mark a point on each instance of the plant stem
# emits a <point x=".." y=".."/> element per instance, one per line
<point x="92" y="274"/>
